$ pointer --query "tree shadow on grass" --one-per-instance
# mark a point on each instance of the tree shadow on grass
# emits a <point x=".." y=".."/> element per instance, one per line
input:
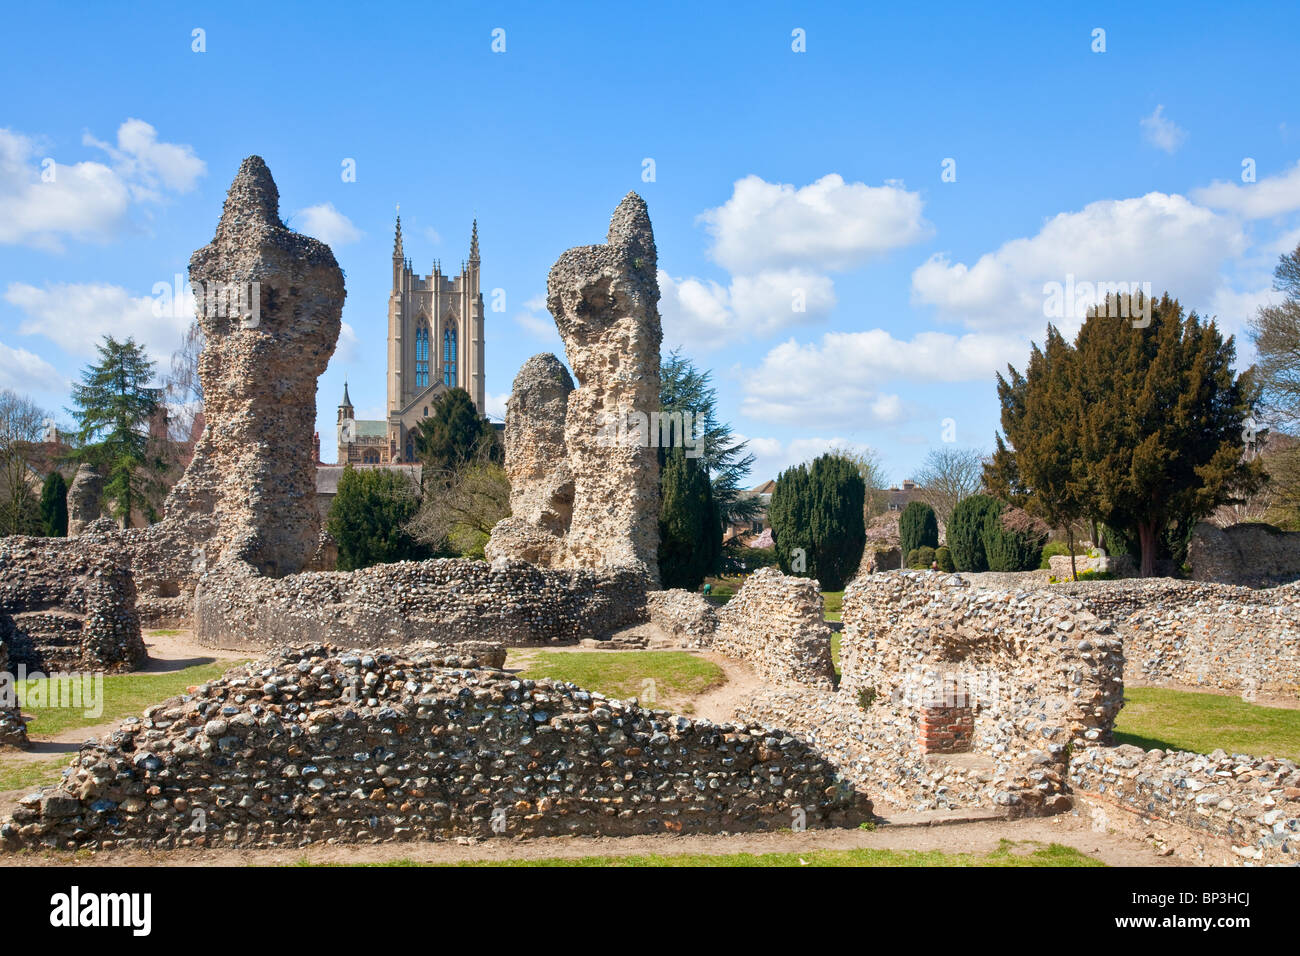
<point x="1146" y="743"/>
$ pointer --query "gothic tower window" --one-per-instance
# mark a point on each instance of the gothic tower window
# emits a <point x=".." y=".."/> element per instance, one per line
<point x="422" y="357"/>
<point x="449" y="357"/>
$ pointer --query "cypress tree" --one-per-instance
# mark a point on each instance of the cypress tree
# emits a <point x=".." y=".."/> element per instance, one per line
<point x="455" y="433"/>
<point x="836" y="518"/>
<point x="1013" y="540"/>
<point x="966" y="533"/>
<point x="54" y="506"/>
<point x="788" y="513"/>
<point x="918" y="527"/>
<point x="690" y="532"/>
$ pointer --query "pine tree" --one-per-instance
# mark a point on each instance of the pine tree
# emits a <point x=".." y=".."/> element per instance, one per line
<point x="917" y="527"/>
<point x="685" y="389"/>
<point x="114" y="407"/>
<point x="54" y="506"/>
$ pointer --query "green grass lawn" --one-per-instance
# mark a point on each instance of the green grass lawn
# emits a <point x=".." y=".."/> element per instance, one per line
<point x="722" y="590"/>
<point x="1181" y="720"/>
<point x="1008" y="854"/>
<point x="125" y="695"/>
<point x="834" y="604"/>
<point x="622" y="674"/>
<point x="21" y="774"/>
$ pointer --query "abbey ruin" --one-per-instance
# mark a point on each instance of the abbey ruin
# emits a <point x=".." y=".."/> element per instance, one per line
<point x="380" y="709"/>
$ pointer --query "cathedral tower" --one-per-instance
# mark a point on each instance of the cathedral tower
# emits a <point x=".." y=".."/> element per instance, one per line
<point x="435" y="341"/>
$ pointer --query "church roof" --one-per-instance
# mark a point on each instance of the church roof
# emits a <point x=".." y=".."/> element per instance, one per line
<point x="371" y="429"/>
<point x="346" y="401"/>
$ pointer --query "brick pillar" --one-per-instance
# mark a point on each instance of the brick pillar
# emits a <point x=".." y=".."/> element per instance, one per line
<point x="947" y="721"/>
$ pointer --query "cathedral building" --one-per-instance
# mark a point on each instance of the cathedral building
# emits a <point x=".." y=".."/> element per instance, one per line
<point x="435" y="343"/>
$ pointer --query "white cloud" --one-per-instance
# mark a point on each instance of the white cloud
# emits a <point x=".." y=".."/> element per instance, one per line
<point x="76" y="317"/>
<point x="773" y="456"/>
<point x="349" y="346"/>
<point x="496" y="405"/>
<point x="1163" y="239"/>
<point x="146" y="163"/>
<point x="827" y="225"/>
<point x="1234" y="310"/>
<point x="840" y="380"/>
<point x="702" y="314"/>
<point x="43" y="201"/>
<point x="327" y="224"/>
<point x="1162" y="132"/>
<point x="537" y="322"/>
<point x="26" y="372"/>
<point x="84" y="201"/>
<point x="1270" y="196"/>
<point x="779" y="242"/>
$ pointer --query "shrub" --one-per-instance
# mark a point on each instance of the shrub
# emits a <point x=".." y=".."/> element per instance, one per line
<point x="918" y="526"/>
<point x="369" y="518"/>
<point x="967" y="530"/>
<point x="866" y="697"/>
<point x="920" y="558"/>
<point x="751" y="559"/>
<point x="1013" y="541"/>
<point x="944" y="557"/>
<point x="1051" y="550"/>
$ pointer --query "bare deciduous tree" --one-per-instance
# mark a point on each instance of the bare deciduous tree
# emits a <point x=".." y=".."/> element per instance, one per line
<point x="461" y="504"/>
<point x="947" y="476"/>
<point x="874" y="478"/>
<point x="183" y="391"/>
<point x="22" y="426"/>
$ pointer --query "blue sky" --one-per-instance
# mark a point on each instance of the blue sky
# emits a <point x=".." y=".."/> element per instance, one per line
<point x="778" y="176"/>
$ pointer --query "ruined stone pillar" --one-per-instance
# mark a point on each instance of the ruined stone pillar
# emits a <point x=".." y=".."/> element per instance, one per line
<point x="85" y="499"/>
<point x="605" y="301"/>
<point x="269" y="304"/>
<point x="13" y="729"/>
<point x="541" y="483"/>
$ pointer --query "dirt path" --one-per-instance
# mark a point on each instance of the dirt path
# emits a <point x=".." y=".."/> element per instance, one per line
<point x="719" y="703"/>
<point x="978" y="837"/>
<point x="174" y="650"/>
